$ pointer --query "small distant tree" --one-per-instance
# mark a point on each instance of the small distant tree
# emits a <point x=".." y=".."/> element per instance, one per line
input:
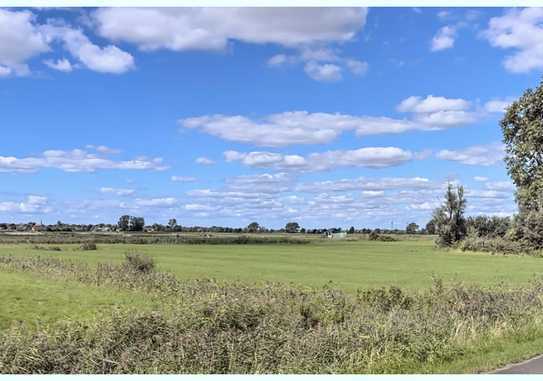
<point x="449" y="217"/>
<point x="351" y="230"/>
<point x="412" y="228"/>
<point x="253" y="227"/>
<point x="292" y="227"/>
<point x="172" y="223"/>
<point x="136" y="224"/>
<point x="124" y="223"/>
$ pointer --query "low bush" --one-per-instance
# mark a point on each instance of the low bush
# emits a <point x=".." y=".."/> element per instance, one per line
<point x="139" y="263"/>
<point x="497" y="245"/>
<point x="86" y="246"/>
<point x="373" y="236"/>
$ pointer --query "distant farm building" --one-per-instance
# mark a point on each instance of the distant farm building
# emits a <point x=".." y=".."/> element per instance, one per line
<point x="340" y="235"/>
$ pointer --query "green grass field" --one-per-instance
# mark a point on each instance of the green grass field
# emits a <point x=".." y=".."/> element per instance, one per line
<point x="350" y="265"/>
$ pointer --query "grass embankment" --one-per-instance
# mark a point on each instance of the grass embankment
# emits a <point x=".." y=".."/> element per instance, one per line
<point x="225" y="327"/>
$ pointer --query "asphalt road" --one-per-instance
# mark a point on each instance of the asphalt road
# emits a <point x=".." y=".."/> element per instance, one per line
<point x="532" y="366"/>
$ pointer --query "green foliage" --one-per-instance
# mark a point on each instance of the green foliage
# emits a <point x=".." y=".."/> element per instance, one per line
<point x="491" y="227"/>
<point x="522" y="127"/>
<point x="528" y="228"/>
<point x="495" y="245"/>
<point x="449" y="217"/>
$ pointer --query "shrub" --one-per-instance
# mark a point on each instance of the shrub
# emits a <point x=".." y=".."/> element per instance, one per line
<point x="385" y="300"/>
<point x="139" y="263"/>
<point x="528" y="228"/>
<point x="374" y="236"/>
<point x="496" y="245"/>
<point x="85" y="246"/>
<point x="486" y="226"/>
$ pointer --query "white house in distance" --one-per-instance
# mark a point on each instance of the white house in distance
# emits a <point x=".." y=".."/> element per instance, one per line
<point x="340" y="235"/>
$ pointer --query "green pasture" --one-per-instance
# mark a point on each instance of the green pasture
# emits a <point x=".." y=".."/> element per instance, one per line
<point x="350" y="265"/>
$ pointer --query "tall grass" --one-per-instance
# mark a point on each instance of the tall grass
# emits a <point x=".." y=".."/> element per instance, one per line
<point x="215" y="327"/>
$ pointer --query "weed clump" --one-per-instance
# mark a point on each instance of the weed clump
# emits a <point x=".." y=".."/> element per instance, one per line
<point x="139" y="263"/>
<point x="87" y="246"/>
<point x="374" y="236"/>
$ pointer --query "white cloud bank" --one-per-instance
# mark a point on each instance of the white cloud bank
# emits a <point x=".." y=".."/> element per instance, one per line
<point x="307" y="30"/>
<point x="302" y="127"/>
<point x="33" y="204"/>
<point x="76" y="160"/>
<point x="484" y="155"/>
<point x="182" y="29"/>
<point x="369" y="157"/>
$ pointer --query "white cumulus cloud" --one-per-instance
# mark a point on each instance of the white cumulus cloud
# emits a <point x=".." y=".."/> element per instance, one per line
<point x="21" y="39"/>
<point x="369" y="157"/>
<point x="519" y="30"/>
<point x="485" y="155"/>
<point x="76" y="160"/>
<point x="444" y="39"/>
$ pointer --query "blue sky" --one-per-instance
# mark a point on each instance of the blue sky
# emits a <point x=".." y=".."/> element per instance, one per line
<point x="326" y="116"/>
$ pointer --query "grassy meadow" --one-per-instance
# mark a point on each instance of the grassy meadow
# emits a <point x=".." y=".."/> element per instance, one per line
<point x="350" y="265"/>
<point x="69" y="291"/>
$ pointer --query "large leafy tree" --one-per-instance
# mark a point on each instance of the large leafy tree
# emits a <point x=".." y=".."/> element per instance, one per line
<point x="522" y="127"/>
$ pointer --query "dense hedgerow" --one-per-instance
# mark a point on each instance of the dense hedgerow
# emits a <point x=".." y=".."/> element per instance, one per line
<point x="143" y="239"/>
<point x="212" y="327"/>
